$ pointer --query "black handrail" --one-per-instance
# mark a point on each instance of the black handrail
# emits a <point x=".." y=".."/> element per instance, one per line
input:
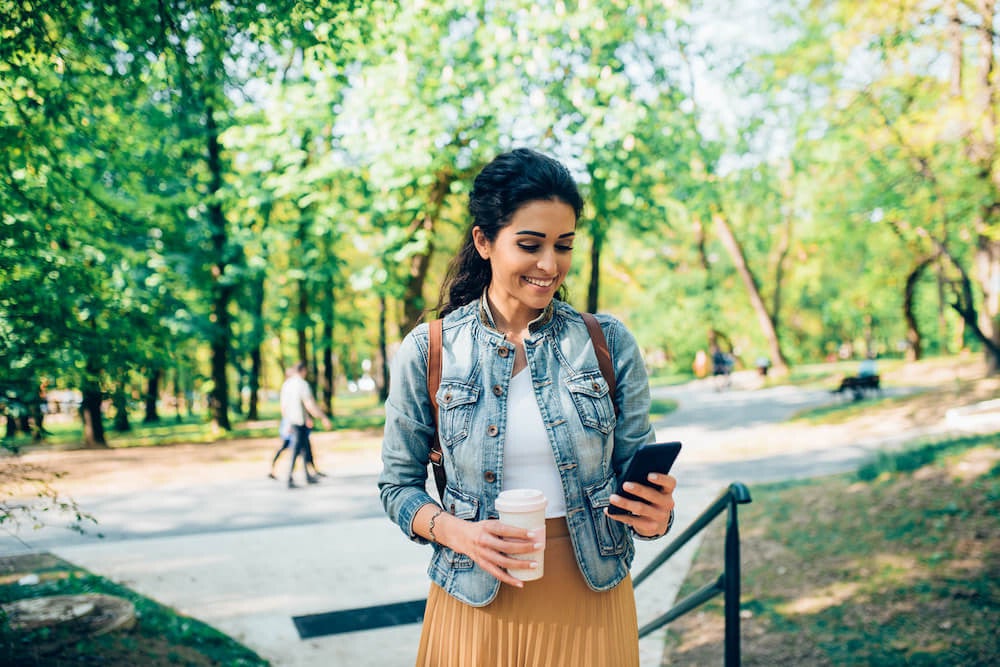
<point x="728" y="582"/>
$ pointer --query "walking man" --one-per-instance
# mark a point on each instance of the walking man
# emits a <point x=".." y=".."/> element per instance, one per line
<point x="297" y="404"/>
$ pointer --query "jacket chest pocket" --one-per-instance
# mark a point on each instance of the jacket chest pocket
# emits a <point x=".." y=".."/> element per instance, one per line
<point x="593" y="401"/>
<point x="456" y="402"/>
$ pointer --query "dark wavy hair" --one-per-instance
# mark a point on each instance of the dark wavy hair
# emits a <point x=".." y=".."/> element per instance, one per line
<point x="509" y="182"/>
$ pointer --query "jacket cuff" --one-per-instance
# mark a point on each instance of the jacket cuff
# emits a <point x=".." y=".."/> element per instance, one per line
<point x="650" y="538"/>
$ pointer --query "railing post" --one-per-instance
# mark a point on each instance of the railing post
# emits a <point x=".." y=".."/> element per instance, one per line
<point x="738" y="494"/>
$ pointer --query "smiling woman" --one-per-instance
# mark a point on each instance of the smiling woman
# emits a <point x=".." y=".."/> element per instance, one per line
<point x="522" y="404"/>
<point x="529" y="259"/>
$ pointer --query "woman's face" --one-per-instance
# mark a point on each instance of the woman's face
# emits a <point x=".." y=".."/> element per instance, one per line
<point x="530" y="257"/>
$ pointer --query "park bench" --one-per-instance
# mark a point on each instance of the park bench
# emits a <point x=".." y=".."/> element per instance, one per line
<point x="859" y="385"/>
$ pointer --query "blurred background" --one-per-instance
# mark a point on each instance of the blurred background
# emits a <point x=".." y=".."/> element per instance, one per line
<point x="195" y="194"/>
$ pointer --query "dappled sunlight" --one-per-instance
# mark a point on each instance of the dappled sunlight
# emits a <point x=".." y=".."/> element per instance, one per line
<point x="829" y="596"/>
<point x="711" y="632"/>
<point x="975" y="464"/>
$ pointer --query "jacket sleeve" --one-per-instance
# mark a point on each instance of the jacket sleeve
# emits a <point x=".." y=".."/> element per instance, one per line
<point x="409" y="427"/>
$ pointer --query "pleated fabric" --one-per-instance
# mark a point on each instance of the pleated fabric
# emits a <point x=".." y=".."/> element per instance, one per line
<point x="555" y="621"/>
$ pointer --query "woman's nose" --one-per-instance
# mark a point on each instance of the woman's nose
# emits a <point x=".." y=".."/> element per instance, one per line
<point x="547" y="261"/>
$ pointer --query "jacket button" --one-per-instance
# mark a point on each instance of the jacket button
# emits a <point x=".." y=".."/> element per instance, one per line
<point x="447" y="397"/>
<point x="596" y="387"/>
<point x="503" y="352"/>
<point x="489" y="476"/>
<point x="492" y="430"/>
<point x="497" y="389"/>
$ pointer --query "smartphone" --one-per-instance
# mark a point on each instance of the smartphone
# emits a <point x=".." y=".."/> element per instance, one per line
<point x="656" y="457"/>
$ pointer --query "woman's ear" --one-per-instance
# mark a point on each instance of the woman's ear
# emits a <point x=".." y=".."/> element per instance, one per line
<point x="482" y="243"/>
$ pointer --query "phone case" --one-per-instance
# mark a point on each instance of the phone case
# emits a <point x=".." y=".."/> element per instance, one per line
<point x="657" y="457"/>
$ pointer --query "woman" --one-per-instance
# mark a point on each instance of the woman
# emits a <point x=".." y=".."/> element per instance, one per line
<point x="522" y="403"/>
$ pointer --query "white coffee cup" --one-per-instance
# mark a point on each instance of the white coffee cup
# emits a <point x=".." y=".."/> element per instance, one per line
<point x="525" y="508"/>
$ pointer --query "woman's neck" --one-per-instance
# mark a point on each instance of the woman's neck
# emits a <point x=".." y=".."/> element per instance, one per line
<point x="514" y="324"/>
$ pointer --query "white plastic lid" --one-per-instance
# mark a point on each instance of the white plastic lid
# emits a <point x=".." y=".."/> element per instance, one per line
<point x="521" y="500"/>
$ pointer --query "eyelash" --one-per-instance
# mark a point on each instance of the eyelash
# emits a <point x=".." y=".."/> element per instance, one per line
<point x="534" y="248"/>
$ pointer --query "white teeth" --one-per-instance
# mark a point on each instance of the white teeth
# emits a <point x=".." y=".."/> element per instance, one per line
<point x="539" y="283"/>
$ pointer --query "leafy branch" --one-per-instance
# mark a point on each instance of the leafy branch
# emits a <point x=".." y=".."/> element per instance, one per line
<point x="27" y="493"/>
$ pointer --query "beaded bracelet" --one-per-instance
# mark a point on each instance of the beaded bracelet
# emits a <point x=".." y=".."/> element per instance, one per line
<point x="430" y="527"/>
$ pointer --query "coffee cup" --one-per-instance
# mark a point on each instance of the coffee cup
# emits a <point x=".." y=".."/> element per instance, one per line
<point x="525" y="508"/>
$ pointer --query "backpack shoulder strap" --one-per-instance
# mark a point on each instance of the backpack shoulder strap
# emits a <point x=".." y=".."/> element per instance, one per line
<point x="433" y="382"/>
<point x="600" y="344"/>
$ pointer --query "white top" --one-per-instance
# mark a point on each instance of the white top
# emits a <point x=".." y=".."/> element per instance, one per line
<point x="295" y="393"/>
<point x="528" y="462"/>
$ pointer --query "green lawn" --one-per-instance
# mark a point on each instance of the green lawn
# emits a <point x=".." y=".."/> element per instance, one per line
<point x="160" y="638"/>
<point x="894" y="565"/>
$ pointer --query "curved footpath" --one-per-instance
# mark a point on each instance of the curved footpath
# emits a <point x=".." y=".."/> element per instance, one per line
<point x="247" y="555"/>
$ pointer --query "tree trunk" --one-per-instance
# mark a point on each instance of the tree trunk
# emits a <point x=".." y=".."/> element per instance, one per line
<point x="778" y="364"/>
<point x="784" y="241"/>
<point x="988" y="272"/>
<point x="326" y="380"/>
<point x="414" y="306"/>
<point x="302" y="322"/>
<point x="594" y="286"/>
<point x="222" y="289"/>
<point x="915" y="350"/>
<point x="178" y="395"/>
<point x="965" y="307"/>
<point x="987" y="258"/>
<point x="152" y="396"/>
<point x="256" y="340"/>
<point x="119" y="399"/>
<point x="90" y="412"/>
<point x="383" y="389"/>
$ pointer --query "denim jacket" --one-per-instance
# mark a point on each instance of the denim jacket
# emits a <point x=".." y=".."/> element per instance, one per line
<point x="591" y="445"/>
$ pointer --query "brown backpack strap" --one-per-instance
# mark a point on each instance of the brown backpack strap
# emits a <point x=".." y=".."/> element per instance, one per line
<point x="600" y="344"/>
<point x="433" y="382"/>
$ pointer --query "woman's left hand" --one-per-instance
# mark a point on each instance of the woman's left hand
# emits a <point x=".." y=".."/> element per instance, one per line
<point x="649" y="517"/>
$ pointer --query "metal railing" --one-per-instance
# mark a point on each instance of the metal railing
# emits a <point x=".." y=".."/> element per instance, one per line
<point x="728" y="582"/>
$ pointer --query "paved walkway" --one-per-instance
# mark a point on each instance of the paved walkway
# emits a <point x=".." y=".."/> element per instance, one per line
<point x="247" y="556"/>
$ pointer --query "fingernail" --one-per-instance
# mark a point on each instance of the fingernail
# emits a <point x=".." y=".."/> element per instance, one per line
<point x="539" y="545"/>
<point x="615" y="496"/>
<point x="532" y="534"/>
<point x="534" y="565"/>
<point x="628" y="486"/>
<point x="653" y="477"/>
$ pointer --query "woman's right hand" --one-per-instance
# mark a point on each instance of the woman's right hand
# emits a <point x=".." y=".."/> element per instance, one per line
<point x="490" y="545"/>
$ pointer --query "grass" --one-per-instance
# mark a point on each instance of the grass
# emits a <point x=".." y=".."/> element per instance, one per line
<point x="160" y="638"/>
<point x="661" y="407"/>
<point x="844" y="411"/>
<point x="894" y="565"/>
<point x="350" y="412"/>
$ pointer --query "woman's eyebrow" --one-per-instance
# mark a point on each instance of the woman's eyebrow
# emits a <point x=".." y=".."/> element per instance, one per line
<point x="528" y="232"/>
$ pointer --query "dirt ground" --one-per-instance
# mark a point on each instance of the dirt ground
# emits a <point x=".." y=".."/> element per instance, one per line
<point x="133" y="468"/>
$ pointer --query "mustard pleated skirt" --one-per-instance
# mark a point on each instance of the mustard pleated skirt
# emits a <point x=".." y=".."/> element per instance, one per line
<point x="555" y="621"/>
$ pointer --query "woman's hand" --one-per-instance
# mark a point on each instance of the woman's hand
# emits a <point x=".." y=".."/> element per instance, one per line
<point x="649" y="517"/>
<point x="490" y="544"/>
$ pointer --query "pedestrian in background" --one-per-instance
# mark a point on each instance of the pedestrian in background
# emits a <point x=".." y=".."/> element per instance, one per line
<point x="285" y="434"/>
<point x="297" y="404"/>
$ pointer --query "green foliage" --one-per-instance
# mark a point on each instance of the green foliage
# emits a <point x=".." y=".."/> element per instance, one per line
<point x="250" y="183"/>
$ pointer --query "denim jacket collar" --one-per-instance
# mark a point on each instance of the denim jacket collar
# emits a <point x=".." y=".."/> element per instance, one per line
<point x="486" y="315"/>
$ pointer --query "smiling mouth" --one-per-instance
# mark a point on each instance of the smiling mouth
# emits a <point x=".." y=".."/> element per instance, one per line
<point x="538" y="282"/>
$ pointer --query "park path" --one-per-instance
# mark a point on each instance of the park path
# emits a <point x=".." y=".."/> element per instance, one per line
<point x="220" y="541"/>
